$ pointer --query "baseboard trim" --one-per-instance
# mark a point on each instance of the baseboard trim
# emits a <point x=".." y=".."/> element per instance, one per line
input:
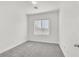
<point x="12" y="46"/>
<point x="62" y="50"/>
<point x="43" y="42"/>
<point x="27" y="41"/>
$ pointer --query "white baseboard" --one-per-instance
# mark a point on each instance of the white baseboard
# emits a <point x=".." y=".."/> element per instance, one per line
<point x="12" y="46"/>
<point x="27" y="41"/>
<point x="45" y="42"/>
<point x="62" y="50"/>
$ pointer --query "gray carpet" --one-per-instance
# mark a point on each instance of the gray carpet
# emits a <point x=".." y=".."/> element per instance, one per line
<point x="34" y="49"/>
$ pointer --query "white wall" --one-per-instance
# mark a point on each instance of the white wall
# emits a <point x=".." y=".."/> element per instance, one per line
<point x="69" y="24"/>
<point x="53" y="18"/>
<point x="13" y="21"/>
<point x="12" y="25"/>
<point x="69" y="28"/>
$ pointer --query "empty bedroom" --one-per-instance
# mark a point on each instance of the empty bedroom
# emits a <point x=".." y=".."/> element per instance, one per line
<point x="39" y="28"/>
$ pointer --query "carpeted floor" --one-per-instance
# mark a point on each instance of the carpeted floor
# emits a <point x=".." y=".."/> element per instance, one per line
<point x="34" y="49"/>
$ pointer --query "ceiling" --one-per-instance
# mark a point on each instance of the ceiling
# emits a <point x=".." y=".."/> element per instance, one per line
<point x="42" y="5"/>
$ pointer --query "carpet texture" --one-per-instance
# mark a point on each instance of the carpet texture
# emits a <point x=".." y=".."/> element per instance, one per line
<point x="34" y="49"/>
